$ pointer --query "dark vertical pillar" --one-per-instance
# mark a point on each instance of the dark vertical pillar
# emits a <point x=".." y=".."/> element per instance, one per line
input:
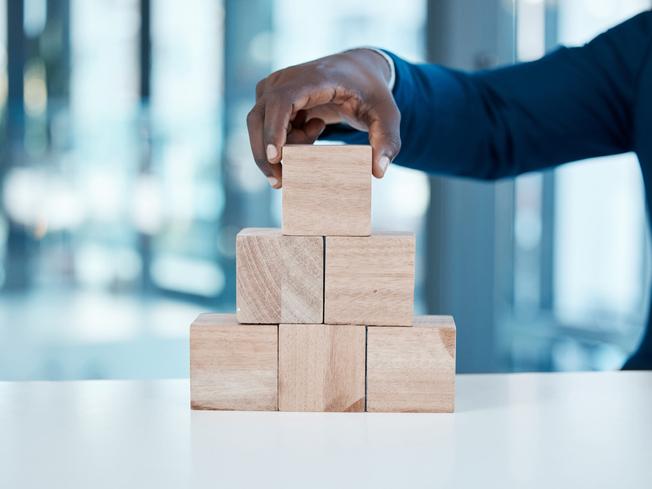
<point x="463" y="215"/>
<point x="15" y="67"/>
<point x="548" y="196"/>
<point x="145" y="49"/>
<point x="58" y="62"/>
<point x="20" y="244"/>
<point x="145" y="140"/>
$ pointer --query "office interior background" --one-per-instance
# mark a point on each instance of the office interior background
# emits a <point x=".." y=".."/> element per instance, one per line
<point x="125" y="174"/>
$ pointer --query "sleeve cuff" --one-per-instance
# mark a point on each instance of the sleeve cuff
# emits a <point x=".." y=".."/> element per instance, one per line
<point x="390" y="62"/>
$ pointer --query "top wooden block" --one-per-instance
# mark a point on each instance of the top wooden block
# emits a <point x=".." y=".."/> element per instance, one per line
<point x="327" y="190"/>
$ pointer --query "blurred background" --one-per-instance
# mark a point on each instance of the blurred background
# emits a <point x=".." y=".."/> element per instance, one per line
<point x="125" y="173"/>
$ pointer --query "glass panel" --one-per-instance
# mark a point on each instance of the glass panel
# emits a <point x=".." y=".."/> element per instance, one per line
<point x="599" y="209"/>
<point x="594" y="211"/>
<point x="181" y="191"/>
<point x="110" y="203"/>
<point x="103" y="158"/>
<point x="115" y="203"/>
<point x="528" y="189"/>
<point x="4" y="223"/>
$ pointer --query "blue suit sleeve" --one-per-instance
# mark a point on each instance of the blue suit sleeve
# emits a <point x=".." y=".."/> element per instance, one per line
<point x="572" y="104"/>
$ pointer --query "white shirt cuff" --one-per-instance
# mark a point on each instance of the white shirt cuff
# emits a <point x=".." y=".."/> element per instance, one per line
<point x="390" y="62"/>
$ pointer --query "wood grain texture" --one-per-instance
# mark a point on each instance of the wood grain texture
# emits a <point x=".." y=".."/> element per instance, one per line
<point x="302" y="283"/>
<point x="233" y="366"/>
<point x="321" y="368"/>
<point x="279" y="278"/>
<point x="412" y="369"/>
<point x="327" y="190"/>
<point x="370" y="280"/>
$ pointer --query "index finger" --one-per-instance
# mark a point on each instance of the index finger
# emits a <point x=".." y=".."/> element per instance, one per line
<point x="280" y="110"/>
<point x="255" y="123"/>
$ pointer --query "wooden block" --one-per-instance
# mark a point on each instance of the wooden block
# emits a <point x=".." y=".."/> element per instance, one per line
<point x="412" y="369"/>
<point x="233" y="366"/>
<point x="321" y="368"/>
<point x="327" y="190"/>
<point x="279" y="278"/>
<point x="370" y="280"/>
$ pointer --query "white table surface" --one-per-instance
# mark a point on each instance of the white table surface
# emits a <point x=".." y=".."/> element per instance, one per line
<point x="520" y="430"/>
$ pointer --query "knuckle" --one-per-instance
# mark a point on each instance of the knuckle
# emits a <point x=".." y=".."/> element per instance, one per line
<point x="262" y="165"/>
<point x="253" y="115"/>
<point x="394" y="142"/>
<point x="280" y="97"/>
<point x="396" y="145"/>
<point x="390" y="142"/>
<point x="394" y="136"/>
<point x="322" y="69"/>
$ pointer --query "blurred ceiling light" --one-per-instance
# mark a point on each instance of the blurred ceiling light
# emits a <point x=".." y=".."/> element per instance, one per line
<point x="147" y="211"/>
<point x="128" y="265"/>
<point x="32" y="198"/>
<point x="36" y="93"/>
<point x="94" y="265"/>
<point x="103" y="195"/>
<point x="100" y="266"/>
<point x="23" y="192"/>
<point x="35" y="16"/>
<point x="64" y="209"/>
<point x="189" y="275"/>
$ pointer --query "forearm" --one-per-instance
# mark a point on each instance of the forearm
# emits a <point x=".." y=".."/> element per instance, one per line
<point x="572" y="104"/>
<point x="443" y="126"/>
<point x="512" y="120"/>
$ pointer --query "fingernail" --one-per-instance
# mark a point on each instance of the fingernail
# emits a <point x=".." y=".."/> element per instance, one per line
<point x="271" y="152"/>
<point x="383" y="163"/>
<point x="273" y="181"/>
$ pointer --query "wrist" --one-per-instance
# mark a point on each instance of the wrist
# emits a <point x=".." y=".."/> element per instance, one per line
<point x="388" y="68"/>
<point x="381" y="61"/>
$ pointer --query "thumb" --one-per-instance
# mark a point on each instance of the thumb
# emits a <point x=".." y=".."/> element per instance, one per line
<point x="384" y="135"/>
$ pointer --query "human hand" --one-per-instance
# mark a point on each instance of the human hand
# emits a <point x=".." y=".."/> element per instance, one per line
<point x="293" y="106"/>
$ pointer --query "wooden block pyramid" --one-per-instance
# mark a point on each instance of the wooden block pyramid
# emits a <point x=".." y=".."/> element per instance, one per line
<point x="324" y="317"/>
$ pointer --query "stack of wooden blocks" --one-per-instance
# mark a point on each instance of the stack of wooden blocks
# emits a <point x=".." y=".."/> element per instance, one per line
<point x="324" y="316"/>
